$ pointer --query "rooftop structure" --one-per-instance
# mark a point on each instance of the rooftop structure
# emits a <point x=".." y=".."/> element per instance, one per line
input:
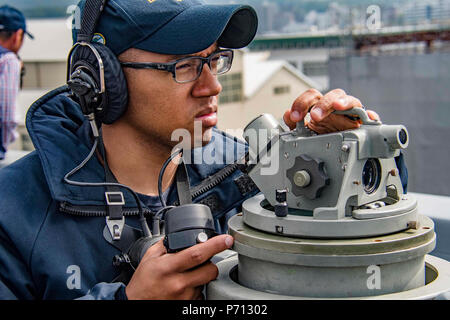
<point x="355" y="38"/>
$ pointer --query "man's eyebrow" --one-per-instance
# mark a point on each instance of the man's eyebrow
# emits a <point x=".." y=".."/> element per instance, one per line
<point x="177" y="56"/>
<point x="181" y="56"/>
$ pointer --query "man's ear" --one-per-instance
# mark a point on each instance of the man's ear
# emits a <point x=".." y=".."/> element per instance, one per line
<point x="17" y="40"/>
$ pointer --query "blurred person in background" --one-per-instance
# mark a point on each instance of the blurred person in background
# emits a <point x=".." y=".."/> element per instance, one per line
<point x="12" y="31"/>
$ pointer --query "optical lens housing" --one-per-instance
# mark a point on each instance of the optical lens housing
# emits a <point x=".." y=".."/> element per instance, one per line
<point x="371" y="175"/>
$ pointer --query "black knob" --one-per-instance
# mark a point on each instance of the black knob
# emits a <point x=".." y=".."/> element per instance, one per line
<point x="281" y="210"/>
<point x="314" y="170"/>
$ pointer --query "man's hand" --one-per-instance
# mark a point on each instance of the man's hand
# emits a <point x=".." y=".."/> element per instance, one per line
<point x="322" y="120"/>
<point x="181" y="275"/>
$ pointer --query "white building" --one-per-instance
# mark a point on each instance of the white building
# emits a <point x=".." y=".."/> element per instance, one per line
<point x="258" y="85"/>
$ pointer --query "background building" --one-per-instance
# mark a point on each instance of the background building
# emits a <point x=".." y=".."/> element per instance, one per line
<point x="409" y="88"/>
<point x="257" y="85"/>
<point x="45" y="61"/>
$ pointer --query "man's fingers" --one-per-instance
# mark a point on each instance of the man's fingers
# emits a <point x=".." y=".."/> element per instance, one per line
<point x="346" y="102"/>
<point x="373" y="115"/>
<point x="198" y="294"/>
<point x="198" y="254"/>
<point x="201" y="275"/>
<point x="156" y="250"/>
<point x="287" y="119"/>
<point x="332" y="124"/>
<point x="325" y="105"/>
<point x="337" y="100"/>
<point x="302" y="104"/>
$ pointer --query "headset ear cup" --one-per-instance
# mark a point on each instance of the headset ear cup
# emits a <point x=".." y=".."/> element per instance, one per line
<point x="116" y="86"/>
<point x="113" y="103"/>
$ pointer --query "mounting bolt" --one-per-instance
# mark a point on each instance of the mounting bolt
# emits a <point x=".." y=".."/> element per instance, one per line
<point x="413" y="225"/>
<point x="281" y="208"/>
<point x="393" y="172"/>
<point x="281" y="195"/>
<point x="345" y="147"/>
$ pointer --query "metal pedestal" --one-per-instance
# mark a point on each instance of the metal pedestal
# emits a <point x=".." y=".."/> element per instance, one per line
<point x="392" y="266"/>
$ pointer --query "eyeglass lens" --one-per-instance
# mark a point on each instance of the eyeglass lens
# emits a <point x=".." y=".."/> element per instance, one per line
<point x="189" y="69"/>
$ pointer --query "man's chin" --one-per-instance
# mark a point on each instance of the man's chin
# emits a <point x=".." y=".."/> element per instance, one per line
<point x="204" y="139"/>
<point x="207" y="135"/>
<point x="193" y="140"/>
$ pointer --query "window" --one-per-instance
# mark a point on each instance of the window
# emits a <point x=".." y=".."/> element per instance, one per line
<point x="231" y="87"/>
<point x="315" y="68"/>
<point x="281" y="89"/>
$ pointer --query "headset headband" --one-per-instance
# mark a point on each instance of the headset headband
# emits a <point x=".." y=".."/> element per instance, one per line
<point x="92" y="68"/>
<point x="91" y="14"/>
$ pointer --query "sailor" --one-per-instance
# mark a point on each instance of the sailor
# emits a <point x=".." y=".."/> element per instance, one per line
<point x="52" y="233"/>
<point x="12" y="31"/>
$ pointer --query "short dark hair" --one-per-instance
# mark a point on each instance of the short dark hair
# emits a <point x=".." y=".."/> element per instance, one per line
<point x="6" y="34"/>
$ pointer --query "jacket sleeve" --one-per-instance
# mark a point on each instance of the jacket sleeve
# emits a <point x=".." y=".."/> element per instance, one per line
<point x="15" y="279"/>
<point x="16" y="282"/>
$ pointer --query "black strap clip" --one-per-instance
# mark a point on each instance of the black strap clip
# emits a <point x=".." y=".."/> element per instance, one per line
<point x="115" y="219"/>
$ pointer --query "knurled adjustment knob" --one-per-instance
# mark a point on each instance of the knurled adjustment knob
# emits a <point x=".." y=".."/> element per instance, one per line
<point x="308" y="177"/>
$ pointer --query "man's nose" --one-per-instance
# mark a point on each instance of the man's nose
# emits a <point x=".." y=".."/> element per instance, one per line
<point x="207" y="84"/>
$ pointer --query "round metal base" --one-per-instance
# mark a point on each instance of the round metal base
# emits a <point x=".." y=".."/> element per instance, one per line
<point x="298" y="224"/>
<point x="226" y="286"/>
<point x="332" y="268"/>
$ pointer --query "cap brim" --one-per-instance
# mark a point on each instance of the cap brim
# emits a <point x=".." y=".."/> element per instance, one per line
<point x="198" y="27"/>
<point x="29" y="35"/>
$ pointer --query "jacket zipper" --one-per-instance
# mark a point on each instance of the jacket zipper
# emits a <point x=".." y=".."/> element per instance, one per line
<point x="203" y="187"/>
<point x="97" y="212"/>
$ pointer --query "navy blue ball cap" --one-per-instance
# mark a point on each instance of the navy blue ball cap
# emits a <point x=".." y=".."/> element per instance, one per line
<point x="174" y="27"/>
<point x="12" y="19"/>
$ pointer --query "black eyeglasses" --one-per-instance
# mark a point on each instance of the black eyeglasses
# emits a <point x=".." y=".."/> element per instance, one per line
<point x="190" y="68"/>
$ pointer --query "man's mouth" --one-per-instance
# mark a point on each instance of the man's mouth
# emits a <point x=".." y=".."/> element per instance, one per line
<point x="208" y="118"/>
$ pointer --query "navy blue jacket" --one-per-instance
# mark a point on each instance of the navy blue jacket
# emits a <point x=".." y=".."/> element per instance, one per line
<point x="52" y="245"/>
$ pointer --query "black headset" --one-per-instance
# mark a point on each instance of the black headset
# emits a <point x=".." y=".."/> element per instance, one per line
<point x="94" y="74"/>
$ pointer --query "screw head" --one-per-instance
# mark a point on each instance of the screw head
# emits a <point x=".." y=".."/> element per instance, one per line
<point x="202" y="237"/>
<point x="345" y="147"/>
